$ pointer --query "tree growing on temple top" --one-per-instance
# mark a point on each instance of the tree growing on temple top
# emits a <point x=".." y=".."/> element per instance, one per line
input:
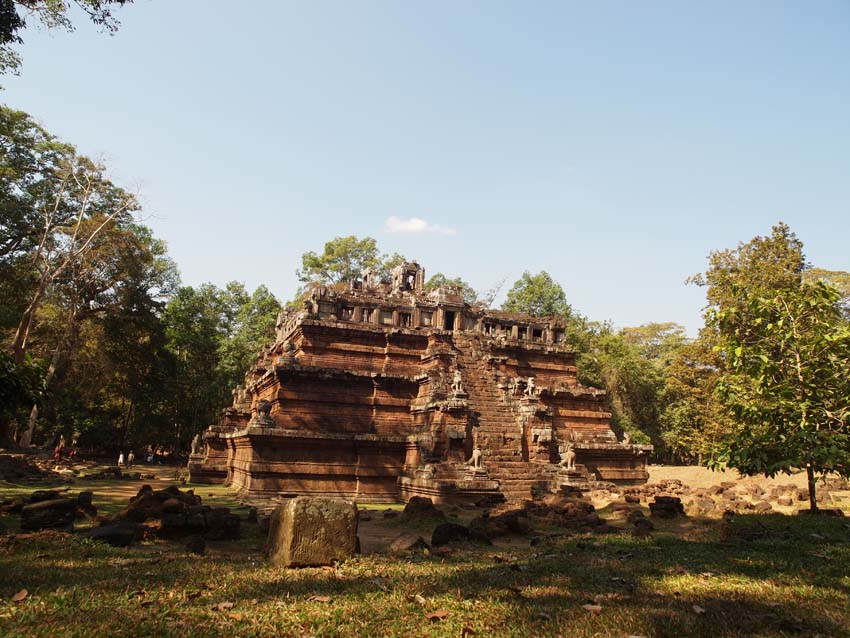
<point x="342" y="259"/>
<point x="784" y="348"/>
<point x="537" y="295"/>
<point x="470" y="295"/>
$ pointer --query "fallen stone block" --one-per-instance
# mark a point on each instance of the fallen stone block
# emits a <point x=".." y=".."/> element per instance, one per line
<point x="309" y="531"/>
<point x="53" y="514"/>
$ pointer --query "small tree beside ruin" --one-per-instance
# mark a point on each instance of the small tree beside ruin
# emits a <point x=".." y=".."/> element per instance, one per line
<point x="784" y="347"/>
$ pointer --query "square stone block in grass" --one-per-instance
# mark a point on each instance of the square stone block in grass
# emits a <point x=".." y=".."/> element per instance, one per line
<point x="309" y="532"/>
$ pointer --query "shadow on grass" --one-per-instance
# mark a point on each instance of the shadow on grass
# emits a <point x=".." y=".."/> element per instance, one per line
<point x="792" y="581"/>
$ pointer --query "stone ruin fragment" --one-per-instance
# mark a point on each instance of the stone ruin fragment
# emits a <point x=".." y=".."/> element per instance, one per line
<point x="380" y="392"/>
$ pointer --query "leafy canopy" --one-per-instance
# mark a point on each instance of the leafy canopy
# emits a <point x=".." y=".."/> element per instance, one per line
<point x="784" y="345"/>
<point x="342" y="259"/>
<point x="537" y="295"/>
<point x="439" y="280"/>
<point x="786" y="382"/>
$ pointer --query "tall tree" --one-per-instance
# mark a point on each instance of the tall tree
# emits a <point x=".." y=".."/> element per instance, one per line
<point x="79" y="206"/>
<point x="538" y="295"/>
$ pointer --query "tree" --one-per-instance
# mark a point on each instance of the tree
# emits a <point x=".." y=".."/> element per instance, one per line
<point x="657" y="342"/>
<point x="837" y="278"/>
<point x="786" y="382"/>
<point x="55" y="204"/>
<point x="692" y="421"/>
<point x="633" y="382"/>
<point x="20" y="387"/>
<point x="251" y="327"/>
<point x="537" y="295"/>
<point x="51" y="14"/>
<point x="121" y="280"/>
<point x="759" y="266"/>
<point x="343" y="259"/>
<point x="440" y="280"/>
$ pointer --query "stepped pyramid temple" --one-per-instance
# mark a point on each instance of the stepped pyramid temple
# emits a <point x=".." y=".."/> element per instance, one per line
<point x="384" y="391"/>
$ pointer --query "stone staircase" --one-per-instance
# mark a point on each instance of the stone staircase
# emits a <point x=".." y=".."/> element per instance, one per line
<point x="498" y="433"/>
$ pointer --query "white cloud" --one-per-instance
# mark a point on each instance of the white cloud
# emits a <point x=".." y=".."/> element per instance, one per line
<point x="394" y="224"/>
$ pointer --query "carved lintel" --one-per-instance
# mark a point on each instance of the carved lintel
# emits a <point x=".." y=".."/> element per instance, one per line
<point x="454" y="404"/>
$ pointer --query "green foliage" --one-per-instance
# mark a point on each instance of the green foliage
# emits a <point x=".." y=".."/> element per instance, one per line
<point x="784" y="347"/>
<point x="657" y="342"/>
<point x="691" y="419"/>
<point x="537" y="295"/>
<point x="758" y="266"/>
<point x="214" y="336"/>
<point x="21" y="385"/>
<point x="50" y="14"/>
<point x="342" y="259"/>
<point x="786" y="382"/>
<point x="632" y="381"/>
<point x="440" y="280"/>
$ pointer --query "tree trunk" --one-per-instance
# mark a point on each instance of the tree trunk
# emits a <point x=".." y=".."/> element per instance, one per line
<point x="67" y="339"/>
<point x="810" y="473"/>
<point x="19" y="343"/>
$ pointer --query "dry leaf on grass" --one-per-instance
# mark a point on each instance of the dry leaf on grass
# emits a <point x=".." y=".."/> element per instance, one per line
<point x="698" y="610"/>
<point x="319" y="599"/>
<point x="466" y="632"/>
<point x="437" y="616"/>
<point x="223" y="606"/>
<point x="419" y="599"/>
<point x="20" y="596"/>
<point x="235" y="616"/>
<point x="594" y="609"/>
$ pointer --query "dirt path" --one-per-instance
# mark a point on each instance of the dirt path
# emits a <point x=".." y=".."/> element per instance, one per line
<point x="701" y="477"/>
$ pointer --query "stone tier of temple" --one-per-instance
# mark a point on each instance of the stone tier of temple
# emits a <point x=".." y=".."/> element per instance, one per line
<point x="379" y="392"/>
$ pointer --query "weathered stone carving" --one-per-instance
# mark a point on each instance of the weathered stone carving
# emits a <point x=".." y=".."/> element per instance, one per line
<point x="197" y="445"/>
<point x="457" y="382"/>
<point x="475" y="459"/>
<point x="568" y="457"/>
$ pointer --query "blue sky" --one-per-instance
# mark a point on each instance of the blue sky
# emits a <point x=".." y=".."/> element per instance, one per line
<point x="613" y="144"/>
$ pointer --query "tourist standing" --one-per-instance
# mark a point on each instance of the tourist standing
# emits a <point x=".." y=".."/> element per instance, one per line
<point x="121" y="459"/>
<point x="130" y="458"/>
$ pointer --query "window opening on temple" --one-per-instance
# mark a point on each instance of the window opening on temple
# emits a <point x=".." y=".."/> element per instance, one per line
<point x="537" y="335"/>
<point x="404" y="319"/>
<point x="522" y="333"/>
<point x="449" y="320"/>
<point x="426" y="318"/>
<point x="387" y="317"/>
<point x="346" y="313"/>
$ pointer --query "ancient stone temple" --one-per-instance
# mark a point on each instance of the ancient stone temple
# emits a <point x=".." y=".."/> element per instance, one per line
<point x="381" y="391"/>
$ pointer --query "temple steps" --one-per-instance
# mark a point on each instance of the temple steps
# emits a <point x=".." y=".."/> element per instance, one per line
<point x="503" y="458"/>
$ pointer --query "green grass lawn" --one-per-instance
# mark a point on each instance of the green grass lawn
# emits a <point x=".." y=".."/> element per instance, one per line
<point x="685" y="581"/>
